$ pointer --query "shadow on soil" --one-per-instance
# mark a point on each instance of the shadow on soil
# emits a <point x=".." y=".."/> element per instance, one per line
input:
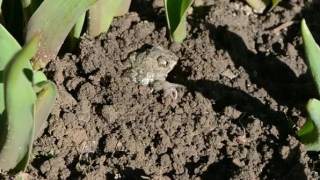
<point x="269" y="73"/>
<point x="285" y="169"/>
<point x="224" y="169"/>
<point x="147" y="12"/>
<point x="134" y="174"/>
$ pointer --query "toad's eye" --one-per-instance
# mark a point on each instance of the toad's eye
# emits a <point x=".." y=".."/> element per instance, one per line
<point x="162" y="61"/>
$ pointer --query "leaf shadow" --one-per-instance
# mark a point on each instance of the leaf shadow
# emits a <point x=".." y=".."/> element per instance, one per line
<point x="266" y="71"/>
<point x="285" y="168"/>
<point x="224" y="96"/>
<point x="224" y="169"/>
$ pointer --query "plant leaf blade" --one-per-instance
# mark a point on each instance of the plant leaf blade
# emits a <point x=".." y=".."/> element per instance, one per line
<point x="19" y="101"/>
<point x="29" y="7"/>
<point x="309" y="133"/>
<point x="1" y="18"/>
<point x="46" y="95"/>
<point x="75" y="33"/>
<point x="274" y="4"/>
<point x="124" y="8"/>
<point x="176" y="14"/>
<point x="53" y="27"/>
<point x="101" y="15"/>
<point x="312" y="51"/>
<point x="8" y="48"/>
<point x="261" y="5"/>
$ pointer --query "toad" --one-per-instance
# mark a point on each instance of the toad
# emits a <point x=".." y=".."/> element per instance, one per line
<point x="151" y="68"/>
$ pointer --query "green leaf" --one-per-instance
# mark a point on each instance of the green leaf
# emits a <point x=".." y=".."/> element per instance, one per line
<point x="53" y="21"/>
<point x="101" y="15"/>
<point x="28" y="8"/>
<point x="274" y="3"/>
<point x="20" y="97"/>
<point x="261" y="5"/>
<point x="309" y="133"/>
<point x="312" y="52"/>
<point x="258" y="5"/>
<point x="46" y="95"/>
<point x="1" y="17"/>
<point x="38" y="77"/>
<point x="124" y="8"/>
<point x="74" y="35"/>
<point x="176" y="13"/>
<point x="8" y="48"/>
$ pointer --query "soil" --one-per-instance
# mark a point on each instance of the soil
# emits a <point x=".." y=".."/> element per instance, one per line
<point x="246" y="87"/>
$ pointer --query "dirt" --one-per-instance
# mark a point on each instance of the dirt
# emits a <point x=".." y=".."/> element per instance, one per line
<point x="244" y="84"/>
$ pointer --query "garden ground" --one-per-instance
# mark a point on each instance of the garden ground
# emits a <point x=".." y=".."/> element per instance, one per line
<point x="245" y="81"/>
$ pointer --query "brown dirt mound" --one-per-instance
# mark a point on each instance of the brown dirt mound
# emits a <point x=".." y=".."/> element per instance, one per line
<point x="242" y="82"/>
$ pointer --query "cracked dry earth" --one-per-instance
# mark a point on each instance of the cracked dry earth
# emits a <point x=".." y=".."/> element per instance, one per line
<point x="243" y="80"/>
